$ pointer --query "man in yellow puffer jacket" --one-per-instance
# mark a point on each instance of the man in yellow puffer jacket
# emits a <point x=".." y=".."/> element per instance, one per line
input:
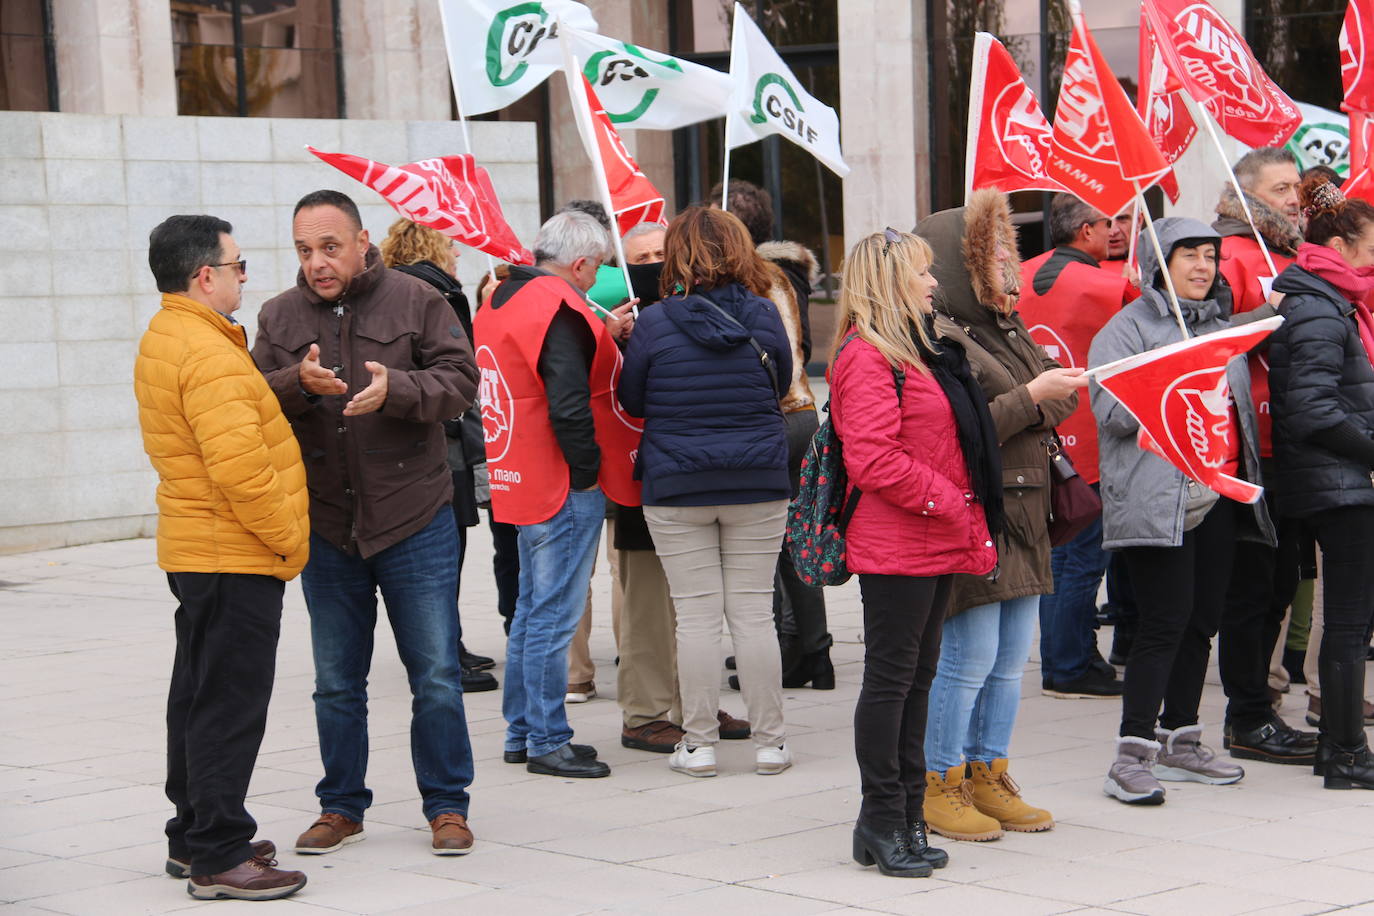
<point x="233" y="526"/>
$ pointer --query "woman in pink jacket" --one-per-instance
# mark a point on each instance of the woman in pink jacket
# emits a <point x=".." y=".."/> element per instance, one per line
<point x="919" y="443"/>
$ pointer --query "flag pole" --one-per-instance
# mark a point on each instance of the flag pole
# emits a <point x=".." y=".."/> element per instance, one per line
<point x="725" y="168"/>
<point x="1135" y="232"/>
<point x="462" y="121"/>
<point x="1163" y="262"/>
<point x="1210" y="125"/>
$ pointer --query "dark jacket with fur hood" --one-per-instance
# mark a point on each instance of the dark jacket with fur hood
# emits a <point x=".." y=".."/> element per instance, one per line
<point x="1004" y="359"/>
<point x="794" y="274"/>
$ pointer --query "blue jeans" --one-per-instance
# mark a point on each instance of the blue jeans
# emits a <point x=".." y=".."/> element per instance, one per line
<point x="556" y="558"/>
<point x="419" y="582"/>
<point x="1068" y="617"/>
<point x="977" y="686"/>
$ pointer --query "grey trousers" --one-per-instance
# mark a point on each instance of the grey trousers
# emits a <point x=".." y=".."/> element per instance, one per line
<point x="720" y="562"/>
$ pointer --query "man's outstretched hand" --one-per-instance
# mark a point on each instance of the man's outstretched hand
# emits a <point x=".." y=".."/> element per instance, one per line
<point x="371" y="398"/>
<point x="316" y="379"/>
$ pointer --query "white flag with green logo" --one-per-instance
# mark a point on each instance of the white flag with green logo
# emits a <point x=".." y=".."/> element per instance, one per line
<point x="768" y="100"/>
<point x="645" y="89"/>
<point x="1323" y="138"/>
<point x="498" y="50"/>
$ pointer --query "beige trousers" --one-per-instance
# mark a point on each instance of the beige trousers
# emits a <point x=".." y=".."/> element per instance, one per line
<point x="646" y="682"/>
<point x="720" y="562"/>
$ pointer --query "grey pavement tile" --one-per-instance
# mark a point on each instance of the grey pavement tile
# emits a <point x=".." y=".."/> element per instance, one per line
<point x="152" y="894"/>
<point x="384" y="890"/>
<point x="621" y="886"/>
<point x="1195" y="863"/>
<point x="504" y="903"/>
<point x="9" y="858"/>
<point x="1092" y="884"/>
<point x="1315" y="881"/>
<point x="52" y="876"/>
<point x="1204" y="898"/>
<point x="629" y="844"/>
<point x="960" y="901"/>
<point x="1274" y="837"/>
<point x="732" y="900"/>
<point x="847" y="883"/>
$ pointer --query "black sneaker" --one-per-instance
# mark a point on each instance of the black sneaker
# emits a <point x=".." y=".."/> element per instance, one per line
<point x="1093" y="685"/>
<point x="478" y="681"/>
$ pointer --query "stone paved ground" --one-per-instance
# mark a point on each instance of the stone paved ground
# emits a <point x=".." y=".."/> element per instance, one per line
<point x="86" y="646"/>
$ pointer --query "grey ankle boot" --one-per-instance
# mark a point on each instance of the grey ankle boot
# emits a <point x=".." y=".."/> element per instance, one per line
<point x="1130" y="778"/>
<point x="1184" y="758"/>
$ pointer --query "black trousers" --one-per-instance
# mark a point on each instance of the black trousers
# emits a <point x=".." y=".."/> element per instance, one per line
<point x="903" y="617"/>
<point x="798" y="608"/>
<point x="1179" y="592"/>
<point x="505" y="565"/>
<point x="1346" y="537"/>
<point x="227" y="627"/>
<point x="1264" y="580"/>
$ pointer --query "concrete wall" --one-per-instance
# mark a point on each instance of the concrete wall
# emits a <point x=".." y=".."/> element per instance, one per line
<point x="78" y="196"/>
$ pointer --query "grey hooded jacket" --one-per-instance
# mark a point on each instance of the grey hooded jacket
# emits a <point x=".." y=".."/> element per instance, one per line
<point x="1143" y="496"/>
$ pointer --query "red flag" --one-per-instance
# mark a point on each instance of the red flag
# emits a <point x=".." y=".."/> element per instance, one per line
<point x="452" y="195"/>
<point x="634" y="198"/>
<point x="1357" y="70"/>
<point x="1008" y="135"/>
<point x="1180" y="397"/>
<point x="1218" y="69"/>
<point x="1163" y="110"/>
<point x="1099" y="149"/>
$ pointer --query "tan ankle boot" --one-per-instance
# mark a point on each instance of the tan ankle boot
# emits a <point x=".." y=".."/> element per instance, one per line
<point x="998" y="796"/>
<point x="949" y="808"/>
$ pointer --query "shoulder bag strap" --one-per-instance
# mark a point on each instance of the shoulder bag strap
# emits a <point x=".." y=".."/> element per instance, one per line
<point x="764" y="358"/>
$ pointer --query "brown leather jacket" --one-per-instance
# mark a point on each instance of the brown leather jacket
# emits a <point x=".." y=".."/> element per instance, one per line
<point x="378" y="478"/>
<point x="1004" y="359"/>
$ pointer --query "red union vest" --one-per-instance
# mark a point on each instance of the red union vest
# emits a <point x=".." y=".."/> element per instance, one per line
<point x="529" y="476"/>
<point x="1064" y="322"/>
<point x="1242" y="264"/>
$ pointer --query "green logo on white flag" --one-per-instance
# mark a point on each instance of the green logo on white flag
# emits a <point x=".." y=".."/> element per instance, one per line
<point x="605" y="69"/>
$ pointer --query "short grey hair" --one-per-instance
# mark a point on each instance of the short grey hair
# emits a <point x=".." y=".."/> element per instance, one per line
<point x="644" y="228"/>
<point x="1067" y="216"/>
<point x="1249" y="166"/>
<point x="569" y="235"/>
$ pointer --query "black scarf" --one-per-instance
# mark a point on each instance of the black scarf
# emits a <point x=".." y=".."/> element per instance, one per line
<point x="447" y="285"/>
<point x="977" y="434"/>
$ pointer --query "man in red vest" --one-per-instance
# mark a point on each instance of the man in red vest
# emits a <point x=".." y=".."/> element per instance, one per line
<point x="1066" y="298"/>
<point x="557" y="445"/>
<point x="1263" y="579"/>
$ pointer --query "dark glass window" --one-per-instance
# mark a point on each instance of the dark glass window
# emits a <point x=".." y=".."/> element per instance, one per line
<point x="1296" y="42"/>
<point x="263" y="58"/>
<point x="28" y="70"/>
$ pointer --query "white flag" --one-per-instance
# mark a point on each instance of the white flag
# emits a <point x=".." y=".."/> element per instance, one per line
<point x="498" y="50"/>
<point x="768" y="99"/>
<point x="646" y="89"/>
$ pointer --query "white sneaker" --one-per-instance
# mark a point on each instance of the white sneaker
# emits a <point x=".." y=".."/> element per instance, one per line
<point x="579" y="693"/>
<point x="694" y="761"/>
<point x="770" y="761"/>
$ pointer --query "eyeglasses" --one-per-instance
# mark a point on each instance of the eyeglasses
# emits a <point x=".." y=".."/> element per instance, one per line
<point x="892" y="235"/>
<point x="241" y="264"/>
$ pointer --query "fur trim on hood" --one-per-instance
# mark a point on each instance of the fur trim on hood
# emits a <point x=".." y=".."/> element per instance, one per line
<point x="965" y="240"/>
<point x="1279" y="233"/>
<point x="792" y="251"/>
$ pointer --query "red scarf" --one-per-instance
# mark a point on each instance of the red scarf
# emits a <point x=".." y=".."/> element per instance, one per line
<point x="1355" y="285"/>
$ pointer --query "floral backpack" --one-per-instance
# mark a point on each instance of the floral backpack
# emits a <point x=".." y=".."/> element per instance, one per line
<point x="818" y="515"/>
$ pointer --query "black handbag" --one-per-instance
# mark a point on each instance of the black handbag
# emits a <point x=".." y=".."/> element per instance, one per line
<point x="1073" y="502"/>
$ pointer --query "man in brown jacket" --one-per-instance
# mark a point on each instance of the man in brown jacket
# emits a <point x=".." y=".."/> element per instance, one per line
<point x="367" y="362"/>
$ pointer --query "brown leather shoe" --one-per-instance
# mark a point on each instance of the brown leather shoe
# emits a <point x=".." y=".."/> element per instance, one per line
<point x="255" y="879"/>
<point x="731" y="729"/>
<point x="332" y="831"/>
<point x="451" y="835"/>
<point x="181" y="868"/>
<point x="659" y="737"/>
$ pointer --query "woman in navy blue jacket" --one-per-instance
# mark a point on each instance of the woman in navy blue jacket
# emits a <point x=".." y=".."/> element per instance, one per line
<point x="705" y="369"/>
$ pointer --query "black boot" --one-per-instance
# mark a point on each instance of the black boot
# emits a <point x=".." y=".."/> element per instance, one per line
<point x="1346" y="762"/>
<point x="890" y="850"/>
<point x="813" y="668"/>
<point x="921" y="848"/>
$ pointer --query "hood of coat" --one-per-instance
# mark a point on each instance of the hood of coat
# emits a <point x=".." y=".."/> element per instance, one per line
<point x="976" y="261"/>
<point x="794" y="258"/>
<point x="1280" y="235"/>
<point x="1171" y="231"/>
<point x="698" y="315"/>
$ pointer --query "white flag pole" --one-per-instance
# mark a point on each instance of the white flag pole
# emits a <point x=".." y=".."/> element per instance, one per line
<point x="1135" y="232"/>
<point x="1163" y="262"/>
<point x="462" y="121"/>
<point x="572" y="75"/>
<point x="725" y="169"/>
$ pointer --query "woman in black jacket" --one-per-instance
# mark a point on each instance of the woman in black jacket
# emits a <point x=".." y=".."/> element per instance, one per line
<point x="1322" y="394"/>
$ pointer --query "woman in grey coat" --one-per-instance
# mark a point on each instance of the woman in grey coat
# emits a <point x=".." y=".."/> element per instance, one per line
<point x="1177" y="537"/>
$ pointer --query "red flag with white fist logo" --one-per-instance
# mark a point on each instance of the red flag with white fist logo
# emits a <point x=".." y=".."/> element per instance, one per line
<point x="1180" y="397"/>
<point x="1008" y="135"/>
<point x="452" y="195"/>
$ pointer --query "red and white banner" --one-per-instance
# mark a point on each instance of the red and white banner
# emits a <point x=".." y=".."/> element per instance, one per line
<point x="1357" y="69"/>
<point x="1008" y="135"/>
<point x="452" y="195"/>
<point x="634" y="199"/>
<point x="1163" y="109"/>
<point x="1217" y="68"/>
<point x="1099" y="148"/>
<point x="1180" y="397"/>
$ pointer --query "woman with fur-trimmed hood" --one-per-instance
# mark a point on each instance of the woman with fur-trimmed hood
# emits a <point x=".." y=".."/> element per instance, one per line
<point x="991" y="621"/>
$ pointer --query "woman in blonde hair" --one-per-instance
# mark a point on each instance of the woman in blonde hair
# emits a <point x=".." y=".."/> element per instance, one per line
<point x="920" y="446"/>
